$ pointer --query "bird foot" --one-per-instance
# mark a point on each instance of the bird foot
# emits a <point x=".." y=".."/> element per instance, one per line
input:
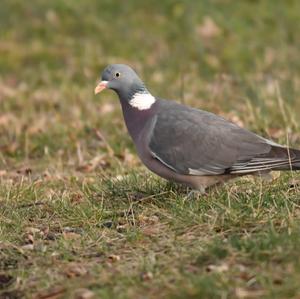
<point x="266" y="176"/>
<point x="195" y="194"/>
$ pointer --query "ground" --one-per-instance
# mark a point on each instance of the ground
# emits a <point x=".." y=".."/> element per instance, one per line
<point x="80" y="217"/>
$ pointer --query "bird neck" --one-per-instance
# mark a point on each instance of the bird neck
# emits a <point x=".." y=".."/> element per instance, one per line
<point x="136" y="119"/>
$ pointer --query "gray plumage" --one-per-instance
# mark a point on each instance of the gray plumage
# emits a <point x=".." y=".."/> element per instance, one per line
<point x="188" y="145"/>
<point x="203" y="143"/>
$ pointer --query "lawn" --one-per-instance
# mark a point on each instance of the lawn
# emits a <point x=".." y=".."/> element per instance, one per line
<point x="80" y="216"/>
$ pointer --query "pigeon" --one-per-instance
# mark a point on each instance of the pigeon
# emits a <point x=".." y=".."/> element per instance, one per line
<point x="189" y="146"/>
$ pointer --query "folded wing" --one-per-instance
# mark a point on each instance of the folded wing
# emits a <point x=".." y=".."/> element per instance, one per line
<point x="195" y="142"/>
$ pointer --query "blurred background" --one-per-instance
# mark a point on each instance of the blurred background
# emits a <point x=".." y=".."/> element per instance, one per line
<point x="239" y="59"/>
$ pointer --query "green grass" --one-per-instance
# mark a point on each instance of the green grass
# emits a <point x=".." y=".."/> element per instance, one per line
<point x="77" y="208"/>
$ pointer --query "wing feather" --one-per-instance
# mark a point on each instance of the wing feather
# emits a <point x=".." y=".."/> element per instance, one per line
<point x="196" y="142"/>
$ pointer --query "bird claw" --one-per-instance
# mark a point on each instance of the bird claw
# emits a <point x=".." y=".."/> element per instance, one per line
<point x="195" y="194"/>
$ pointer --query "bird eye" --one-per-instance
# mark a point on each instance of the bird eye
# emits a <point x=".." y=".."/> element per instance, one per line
<point x="117" y="75"/>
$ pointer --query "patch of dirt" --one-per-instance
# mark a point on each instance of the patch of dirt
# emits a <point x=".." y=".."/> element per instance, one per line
<point x="15" y="294"/>
<point x="5" y="280"/>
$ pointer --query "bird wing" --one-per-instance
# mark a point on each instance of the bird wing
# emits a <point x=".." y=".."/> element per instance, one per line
<point x="196" y="142"/>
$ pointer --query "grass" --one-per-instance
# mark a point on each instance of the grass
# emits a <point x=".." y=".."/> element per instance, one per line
<point x="79" y="214"/>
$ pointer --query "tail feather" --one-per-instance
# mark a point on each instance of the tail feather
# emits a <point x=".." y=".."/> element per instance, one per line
<point x="291" y="155"/>
<point x="279" y="158"/>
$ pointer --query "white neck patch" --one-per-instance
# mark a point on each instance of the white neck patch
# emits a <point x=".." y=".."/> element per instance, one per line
<point x="142" y="101"/>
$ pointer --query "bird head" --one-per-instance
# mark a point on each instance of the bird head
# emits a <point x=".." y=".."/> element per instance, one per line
<point x="122" y="79"/>
<point x="127" y="84"/>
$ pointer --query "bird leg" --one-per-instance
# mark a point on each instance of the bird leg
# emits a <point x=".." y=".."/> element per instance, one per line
<point x="266" y="176"/>
<point x="195" y="194"/>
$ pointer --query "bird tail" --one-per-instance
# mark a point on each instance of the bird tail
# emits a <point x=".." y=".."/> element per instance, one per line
<point x="279" y="158"/>
<point x="290" y="158"/>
